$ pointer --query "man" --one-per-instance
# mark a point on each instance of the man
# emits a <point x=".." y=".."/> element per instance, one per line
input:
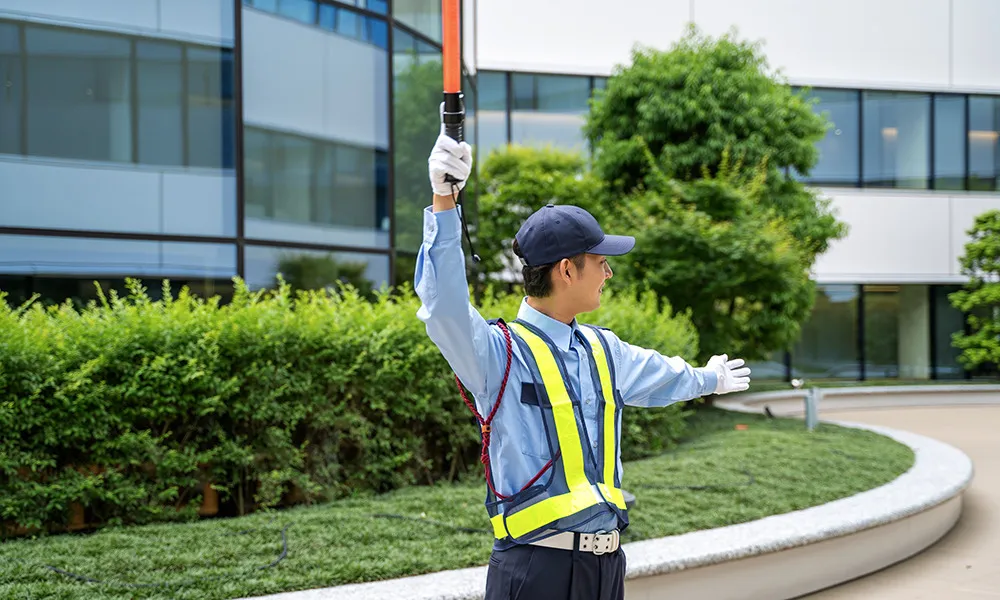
<point x="553" y="470"/>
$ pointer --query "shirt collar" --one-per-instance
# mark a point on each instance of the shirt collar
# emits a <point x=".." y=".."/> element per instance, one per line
<point x="560" y="333"/>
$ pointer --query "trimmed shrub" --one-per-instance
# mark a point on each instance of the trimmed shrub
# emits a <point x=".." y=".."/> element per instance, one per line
<point x="128" y="408"/>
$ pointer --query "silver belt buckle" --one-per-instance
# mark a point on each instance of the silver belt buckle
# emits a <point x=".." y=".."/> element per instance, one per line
<point x="605" y="542"/>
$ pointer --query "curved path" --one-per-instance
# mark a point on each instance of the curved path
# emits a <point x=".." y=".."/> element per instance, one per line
<point x="964" y="564"/>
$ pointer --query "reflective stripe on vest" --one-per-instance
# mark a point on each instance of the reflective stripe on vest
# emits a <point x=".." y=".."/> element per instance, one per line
<point x="610" y="447"/>
<point x="581" y="493"/>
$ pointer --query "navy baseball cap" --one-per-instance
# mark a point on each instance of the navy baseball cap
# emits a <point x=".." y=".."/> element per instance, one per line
<point x="553" y="233"/>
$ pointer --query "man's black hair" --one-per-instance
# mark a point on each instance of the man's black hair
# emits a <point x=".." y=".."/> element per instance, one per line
<point x="538" y="279"/>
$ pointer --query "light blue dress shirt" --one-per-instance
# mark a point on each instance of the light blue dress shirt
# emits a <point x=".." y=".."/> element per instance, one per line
<point x="476" y="351"/>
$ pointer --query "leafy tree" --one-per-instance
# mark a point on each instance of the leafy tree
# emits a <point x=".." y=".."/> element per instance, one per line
<point x="980" y="297"/>
<point x="694" y="145"/>
<point x="710" y="248"/>
<point x="515" y="182"/>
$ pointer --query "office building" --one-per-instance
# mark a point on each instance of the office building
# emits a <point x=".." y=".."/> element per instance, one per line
<point x="201" y="139"/>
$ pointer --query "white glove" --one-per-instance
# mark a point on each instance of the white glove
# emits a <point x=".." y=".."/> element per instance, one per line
<point x="449" y="157"/>
<point x="732" y="378"/>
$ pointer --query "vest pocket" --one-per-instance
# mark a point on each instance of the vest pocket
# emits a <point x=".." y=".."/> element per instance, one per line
<point x="534" y="413"/>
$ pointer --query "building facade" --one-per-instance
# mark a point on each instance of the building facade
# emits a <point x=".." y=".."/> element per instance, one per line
<point x="198" y="140"/>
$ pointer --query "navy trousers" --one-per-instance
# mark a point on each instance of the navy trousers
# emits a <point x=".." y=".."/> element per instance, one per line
<point x="534" y="572"/>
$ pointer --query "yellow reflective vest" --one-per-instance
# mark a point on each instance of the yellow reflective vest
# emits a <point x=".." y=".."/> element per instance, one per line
<point x="581" y="483"/>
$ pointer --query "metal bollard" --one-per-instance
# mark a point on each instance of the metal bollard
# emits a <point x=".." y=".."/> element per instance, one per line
<point x="812" y="407"/>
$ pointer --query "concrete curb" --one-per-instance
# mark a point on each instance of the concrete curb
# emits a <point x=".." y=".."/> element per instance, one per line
<point x="937" y="479"/>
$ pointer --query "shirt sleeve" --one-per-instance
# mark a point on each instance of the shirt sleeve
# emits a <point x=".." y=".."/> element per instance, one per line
<point x="471" y="346"/>
<point x="646" y="378"/>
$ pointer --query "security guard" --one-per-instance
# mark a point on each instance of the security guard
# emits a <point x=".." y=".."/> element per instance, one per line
<point x="552" y="391"/>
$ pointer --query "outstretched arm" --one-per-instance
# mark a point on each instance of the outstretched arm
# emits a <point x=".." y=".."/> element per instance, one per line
<point x="647" y="378"/>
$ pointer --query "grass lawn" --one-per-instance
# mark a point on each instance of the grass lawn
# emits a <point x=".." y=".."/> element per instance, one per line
<point x="773" y="466"/>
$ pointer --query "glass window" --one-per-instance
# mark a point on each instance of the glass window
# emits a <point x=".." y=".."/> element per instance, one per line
<point x="315" y="191"/>
<point x="549" y="109"/>
<point x="828" y="345"/>
<point x="423" y="16"/>
<point x="882" y="331"/>
<point x="79" y="82"/>
<point x="491" y="116"/>
<point x="771" y="368"/>
<point x="949" y="142"/>
<point x="11" y="88"/>
<point x="354" y="25"/>
<point x="292" y="163"/>
<point x="948" y="321"/>
<point x="314" y="269"/>
<point x="984" y="131"/>
<point x="896" y="139"/>
<point x="416" y="123"/>
<point x="838" y="150"/>
<point x="379" y="6"/>
<point x="211" y="117"/>
<point x="44" y="255"/>
<point x="300" y="10"/>
<point x="266" y="5"/>
<point x="159" y="102"/>
<point x="257" y="173"/>
<point x="377" y="32"/>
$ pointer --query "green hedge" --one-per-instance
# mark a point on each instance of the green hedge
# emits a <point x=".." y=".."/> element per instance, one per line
<point x="127" y="407"/>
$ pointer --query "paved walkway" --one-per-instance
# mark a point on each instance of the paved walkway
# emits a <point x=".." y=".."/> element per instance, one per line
<point x="965" y="564"/>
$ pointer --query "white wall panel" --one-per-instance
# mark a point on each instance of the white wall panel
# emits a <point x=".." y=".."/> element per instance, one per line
<point x="68" y="195"/>
<point x="933" y="44"/>
<point x="843" y="41"/>
<point x="206" y="21"/>
<point x="137" y="14"/>
<point x="50" y="196"/>
<point x="572" y="36"/>
<point x="893" y="238"/>
<point x="199" y="204"/>
<point x="299" y="79"/>
<point x="211" y="19"/>
<point x="964" y="210"/>
<point x="976" y="44"/>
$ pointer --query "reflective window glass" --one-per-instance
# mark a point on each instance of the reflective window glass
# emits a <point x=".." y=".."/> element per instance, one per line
<point x="984" y="132"/>
<point x="315" y="191"/>
<point x="828" y="345"/>
<point x="80" y="83"/>
<point x="549" y="109"/>
<point x="422" y="15"/>
<point x="416" y="123"/>
<point x="44" y="255"/>
<point x="897" y="137"/>
<point x="949" y="142"/>
<point x="258" y="168"/>
<point x="159" y="102"/>
<point x="491" y="116"/>
<point x="300" y="10"/>
<point x="948" y="320"/>
<point x="11" y="88"/>
<point x="292" y="172"/>
<point x="838" y="150"/>
<point x="211" y="116"/>
<point x="883" y="331"/>
<point x="314" y="269"/>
